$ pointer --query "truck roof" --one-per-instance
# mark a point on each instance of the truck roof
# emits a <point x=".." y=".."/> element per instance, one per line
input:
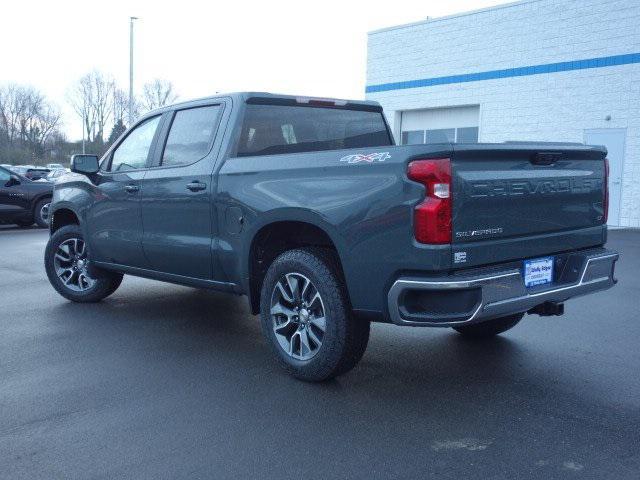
<point x="276" y="98"/>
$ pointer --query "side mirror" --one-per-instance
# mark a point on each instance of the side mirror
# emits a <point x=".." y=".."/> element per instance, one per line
<point x="85" y="164"/>
<point x="13" y="180"/>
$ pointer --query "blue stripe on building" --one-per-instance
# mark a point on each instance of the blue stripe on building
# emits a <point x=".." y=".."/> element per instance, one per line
<point x="600" y="62"/>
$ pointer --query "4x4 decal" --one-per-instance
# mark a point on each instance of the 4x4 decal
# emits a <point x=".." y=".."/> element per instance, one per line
<point x="368" y="158"/>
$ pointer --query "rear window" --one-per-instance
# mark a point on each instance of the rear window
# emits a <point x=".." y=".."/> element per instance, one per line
<point x="275" y="129"/>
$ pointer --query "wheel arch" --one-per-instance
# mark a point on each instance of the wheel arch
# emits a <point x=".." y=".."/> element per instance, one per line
<point x="62" y="216"/>
<point x="276" y="234"/>
<point x="38" y="198"/>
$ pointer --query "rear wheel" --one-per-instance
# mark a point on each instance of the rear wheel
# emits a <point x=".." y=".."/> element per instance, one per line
<point x="68" y="267"/>
<point x="490" y="328"/>
<point x="41" y="213"/>
<point x="307" y="318"/>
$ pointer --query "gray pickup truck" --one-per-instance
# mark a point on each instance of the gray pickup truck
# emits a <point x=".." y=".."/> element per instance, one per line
<point x="308" y="208"/>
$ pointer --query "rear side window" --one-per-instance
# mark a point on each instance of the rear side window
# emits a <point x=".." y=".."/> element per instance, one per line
<point x="274" y="129"/>
<point x="191" y="135"/>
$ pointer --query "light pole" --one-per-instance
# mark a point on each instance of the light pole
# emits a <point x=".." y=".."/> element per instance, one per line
<point x="131" y="19"/>
<point x="84" y="113"/>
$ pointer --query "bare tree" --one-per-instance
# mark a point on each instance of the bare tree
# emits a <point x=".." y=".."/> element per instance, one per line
<point x="41" y="125"/>
<point x="26" y="115"/>
<point x="15" y="105"/>
<point x="93" y="99"/>
<point x="120" y="105"/>
<point x="27" y="119"/>
<point x="158" y="93"/>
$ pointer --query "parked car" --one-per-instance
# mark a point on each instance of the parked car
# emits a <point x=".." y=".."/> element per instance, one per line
<point x="19" y="169"/>
<point x="54" y="175"/>
<point x="55" y="166"/>
<point x="36" y="173"/>
<point x="31" y="172"/>
<point x="23" y="202"/>
<point x="307" y="207"/>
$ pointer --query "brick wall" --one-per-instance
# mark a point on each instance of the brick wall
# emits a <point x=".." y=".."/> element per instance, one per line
<point x="555" y="106"/>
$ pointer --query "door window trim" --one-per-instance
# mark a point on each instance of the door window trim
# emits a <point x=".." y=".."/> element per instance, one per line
<point x="156" y="163"/>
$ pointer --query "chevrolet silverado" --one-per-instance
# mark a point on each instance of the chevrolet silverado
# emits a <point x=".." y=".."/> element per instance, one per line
<point x="308" y="208"/>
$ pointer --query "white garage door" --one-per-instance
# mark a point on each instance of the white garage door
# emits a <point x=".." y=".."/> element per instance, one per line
<point x="441" y="125"/>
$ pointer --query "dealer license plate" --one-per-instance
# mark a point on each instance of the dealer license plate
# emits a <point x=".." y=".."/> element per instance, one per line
<point x="538" y="271"/>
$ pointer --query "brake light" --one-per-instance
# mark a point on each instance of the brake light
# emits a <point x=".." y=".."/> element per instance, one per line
<point x="605" y="190"/>
<point x="321" y="102"/>
<point x="432" y="217"/>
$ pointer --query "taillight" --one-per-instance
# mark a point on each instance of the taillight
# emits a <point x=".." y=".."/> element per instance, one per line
<point x="432" y="217"/>
<point x="605" y="190"/>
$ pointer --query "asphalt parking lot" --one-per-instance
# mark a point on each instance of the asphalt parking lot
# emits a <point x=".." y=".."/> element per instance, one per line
<point x="161" y="381"/>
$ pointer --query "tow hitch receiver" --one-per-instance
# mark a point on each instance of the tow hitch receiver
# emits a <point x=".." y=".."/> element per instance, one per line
<point x="548" y="309"/>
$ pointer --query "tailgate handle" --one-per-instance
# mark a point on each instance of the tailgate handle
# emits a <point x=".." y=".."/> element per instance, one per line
<point x="545" y="158"/>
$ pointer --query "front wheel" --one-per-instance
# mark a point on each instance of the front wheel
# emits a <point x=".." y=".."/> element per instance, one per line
<point x="490" y="328"/>
<point x="307" y="318"/>
<point x="41" y="213"/>
<point x="67" y="262"/>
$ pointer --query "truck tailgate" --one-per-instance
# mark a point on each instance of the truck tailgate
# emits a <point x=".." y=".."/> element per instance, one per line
<point x="531" y="199"/>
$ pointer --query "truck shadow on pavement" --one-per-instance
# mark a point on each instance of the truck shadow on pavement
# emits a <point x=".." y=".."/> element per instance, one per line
<point x="404" y="363"/>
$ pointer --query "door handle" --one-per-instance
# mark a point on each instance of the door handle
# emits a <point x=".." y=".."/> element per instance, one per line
<point x="132" y="188"/>
<point x="196" y="186"/>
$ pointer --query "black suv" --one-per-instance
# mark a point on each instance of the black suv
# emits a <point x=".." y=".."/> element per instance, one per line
<point x="24" y="202"/>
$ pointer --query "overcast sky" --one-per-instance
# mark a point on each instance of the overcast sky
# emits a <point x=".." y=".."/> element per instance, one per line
<point x="309" y="48"/>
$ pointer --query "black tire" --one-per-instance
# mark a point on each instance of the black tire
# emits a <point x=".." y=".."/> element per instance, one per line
<point x="490" y="328"/>
<point x="104" y="282"/>
<point x="345" y="338"/>
<point x="24" y="223"/>
<point x="40" y="219"/>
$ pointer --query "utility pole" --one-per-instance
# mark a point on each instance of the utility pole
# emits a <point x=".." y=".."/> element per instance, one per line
<point x="131" y="19"/>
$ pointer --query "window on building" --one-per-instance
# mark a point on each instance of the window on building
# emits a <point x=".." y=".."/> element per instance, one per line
<point x="440" y="135"/>
<point x="457" y="124"/>
<point x="413" y="138"/>
<point x="467" y="135"/>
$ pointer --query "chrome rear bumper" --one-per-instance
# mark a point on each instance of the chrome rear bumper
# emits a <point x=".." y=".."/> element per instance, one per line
<point x="495" y="292"/>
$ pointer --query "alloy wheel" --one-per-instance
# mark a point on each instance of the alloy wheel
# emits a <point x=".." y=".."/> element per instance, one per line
<point x="71" y="265"/>
<point x="298" y="316"/>
<point x="44" y="212"/>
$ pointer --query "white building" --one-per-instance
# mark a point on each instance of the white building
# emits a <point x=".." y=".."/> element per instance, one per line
<point x="550" y="70"/>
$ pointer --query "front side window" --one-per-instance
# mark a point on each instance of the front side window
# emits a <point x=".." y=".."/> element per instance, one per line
<point x="276" y="129"/>
<point x="190" y="135"/>
<point x="4" y="176"/>
<point x="132" y="153"/>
